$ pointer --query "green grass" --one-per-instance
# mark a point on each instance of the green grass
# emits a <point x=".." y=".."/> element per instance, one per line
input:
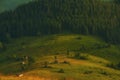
<point x="99" y="54"/>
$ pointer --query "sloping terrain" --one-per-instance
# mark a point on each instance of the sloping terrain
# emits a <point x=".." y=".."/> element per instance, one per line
<point x="78" y="58"/>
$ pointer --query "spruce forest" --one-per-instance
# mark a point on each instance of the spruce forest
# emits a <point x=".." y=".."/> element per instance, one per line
<point x="42" y="17"/>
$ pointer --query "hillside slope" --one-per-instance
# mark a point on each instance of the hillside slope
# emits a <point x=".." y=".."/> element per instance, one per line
<point x="95" y="54"/>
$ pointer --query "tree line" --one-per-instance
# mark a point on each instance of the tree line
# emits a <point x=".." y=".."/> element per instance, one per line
<point x="42" y="17"/>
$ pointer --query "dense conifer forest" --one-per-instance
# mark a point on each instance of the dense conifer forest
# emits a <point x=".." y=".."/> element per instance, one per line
<point x="44" y="17"/>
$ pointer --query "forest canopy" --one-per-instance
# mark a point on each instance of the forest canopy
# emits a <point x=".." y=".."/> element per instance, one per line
<point x="42" y="17"/>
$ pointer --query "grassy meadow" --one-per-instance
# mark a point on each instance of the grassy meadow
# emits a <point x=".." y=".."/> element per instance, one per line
<point x="60" y="57"/>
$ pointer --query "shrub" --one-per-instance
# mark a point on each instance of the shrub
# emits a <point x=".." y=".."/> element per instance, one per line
<point x="118" y="65"/>
<point x="79" y="38"/>
<point x="104" y="73"/>
<point x="87" y="72"/>
<point x="111" y="65"/>
<point x="66" y="62"/>
<point x="84" y="57"/>
<point x="45" y="65"/>
<point x="61" y="71"/>
<point x="115" y="66"/>
<point x="31" y="60"/>
<point x="55" y="60"/>
<point x="81" y="56"/>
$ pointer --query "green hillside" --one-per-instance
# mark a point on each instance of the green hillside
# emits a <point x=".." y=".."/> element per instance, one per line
<point x="91" y="63"/>
<point x="60" y="40"/>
